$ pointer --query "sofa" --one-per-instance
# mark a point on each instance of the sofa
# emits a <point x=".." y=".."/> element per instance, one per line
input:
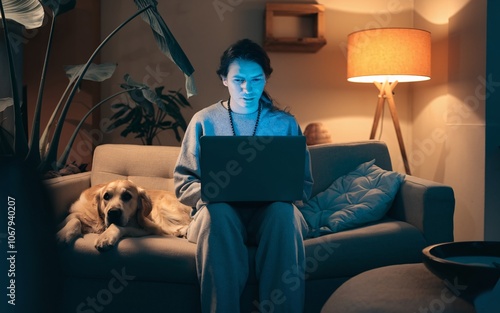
<point x="158" y="274"/>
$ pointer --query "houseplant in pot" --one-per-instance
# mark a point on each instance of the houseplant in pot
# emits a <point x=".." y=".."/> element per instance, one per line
<point x="147" y="112"/>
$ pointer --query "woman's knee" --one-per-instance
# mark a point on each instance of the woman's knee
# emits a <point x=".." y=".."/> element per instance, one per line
<point x="224" y="220"/>
<point x="214" y="219"/>
<point x="281" y="212"/>
<point x="222" y="213"/>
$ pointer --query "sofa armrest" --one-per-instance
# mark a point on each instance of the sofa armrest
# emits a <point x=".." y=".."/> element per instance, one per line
<point x="427" y="205"/>
<point x="64" y="190"/>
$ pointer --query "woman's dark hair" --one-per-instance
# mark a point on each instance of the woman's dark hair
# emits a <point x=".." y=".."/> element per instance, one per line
<point x="246" y="49"/>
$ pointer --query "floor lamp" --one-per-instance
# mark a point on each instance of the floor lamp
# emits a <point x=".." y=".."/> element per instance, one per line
<point x="386" y="57"/>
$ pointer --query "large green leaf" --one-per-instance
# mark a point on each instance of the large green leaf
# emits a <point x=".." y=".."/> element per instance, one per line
<point x="167" y="43"/>
<point x="29" y="13"/>
<point x="95" y="72"/>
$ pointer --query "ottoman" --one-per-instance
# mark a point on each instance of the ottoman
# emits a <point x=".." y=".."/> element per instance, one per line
<point x="397" y="289"/>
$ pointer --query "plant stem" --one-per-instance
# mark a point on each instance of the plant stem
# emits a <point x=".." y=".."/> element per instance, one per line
<point x="34" y="147"/>
<point x="51" y="155"/>
<point x="44" y="139"/>
<point x="67" y="150"/>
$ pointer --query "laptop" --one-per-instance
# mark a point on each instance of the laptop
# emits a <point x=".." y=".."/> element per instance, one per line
<point x="252" y="168"/>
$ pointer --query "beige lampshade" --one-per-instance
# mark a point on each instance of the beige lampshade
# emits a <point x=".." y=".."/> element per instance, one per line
<point x="402" y="54"/>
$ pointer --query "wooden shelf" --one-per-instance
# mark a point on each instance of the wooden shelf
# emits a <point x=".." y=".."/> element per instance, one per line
<point x="314" y="13"/>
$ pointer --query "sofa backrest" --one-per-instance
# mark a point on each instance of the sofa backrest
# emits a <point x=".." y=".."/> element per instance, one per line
<point x="151" y="167"/>
<point x="330" y="161"/>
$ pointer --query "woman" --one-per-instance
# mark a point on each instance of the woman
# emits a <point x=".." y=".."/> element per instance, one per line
<point x="222" y="231"/>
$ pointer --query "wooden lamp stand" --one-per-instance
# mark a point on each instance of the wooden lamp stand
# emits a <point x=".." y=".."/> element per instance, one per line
<point x="386" y="94"/>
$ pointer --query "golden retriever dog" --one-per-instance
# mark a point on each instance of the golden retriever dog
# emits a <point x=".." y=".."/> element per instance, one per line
<point x="122" y="209"/>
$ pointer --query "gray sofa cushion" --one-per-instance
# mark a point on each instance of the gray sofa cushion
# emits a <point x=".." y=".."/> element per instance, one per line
<point x="353" y="251"/>
<point x="151" y="258"/>
<point x="150" y="167"/>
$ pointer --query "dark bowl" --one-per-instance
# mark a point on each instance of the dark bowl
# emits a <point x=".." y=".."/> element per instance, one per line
<point x="468" y="268"/>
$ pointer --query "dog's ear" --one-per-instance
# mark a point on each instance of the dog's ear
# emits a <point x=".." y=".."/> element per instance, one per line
<point x="96" y="201"/>
<point x="89" y="208"/>
<point x="144" y="202"/>
<point x="97" y="212"/>
<point x="144" y="210"/>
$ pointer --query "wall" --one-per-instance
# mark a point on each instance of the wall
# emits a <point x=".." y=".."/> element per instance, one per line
<point x="492" y="151"/>
<point x="442" y="129"/>
<point x="448" y="111"/>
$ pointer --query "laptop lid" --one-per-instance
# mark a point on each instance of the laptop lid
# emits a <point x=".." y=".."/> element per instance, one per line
<point x="252" y="168"/>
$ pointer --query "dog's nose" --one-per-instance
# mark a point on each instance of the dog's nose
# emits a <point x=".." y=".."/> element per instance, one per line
<point x="114" y="216"/>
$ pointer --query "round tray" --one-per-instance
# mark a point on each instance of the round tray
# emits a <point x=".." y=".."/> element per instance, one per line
<point x="468" y="267"/>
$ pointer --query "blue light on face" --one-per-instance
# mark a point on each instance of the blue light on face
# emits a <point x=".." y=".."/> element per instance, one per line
<point x="245" y="81"/>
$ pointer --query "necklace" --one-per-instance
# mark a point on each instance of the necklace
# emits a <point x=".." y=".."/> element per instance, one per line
<point x="229" y="111"/>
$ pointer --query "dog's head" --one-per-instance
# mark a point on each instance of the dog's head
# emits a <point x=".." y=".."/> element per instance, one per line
<point x="120" y="201"/>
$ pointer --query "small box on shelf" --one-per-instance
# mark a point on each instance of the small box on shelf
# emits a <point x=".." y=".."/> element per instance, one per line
<point x="296" y="17"/>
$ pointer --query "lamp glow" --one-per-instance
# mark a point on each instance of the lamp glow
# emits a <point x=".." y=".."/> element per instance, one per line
<point x="402" y="54"/>
<point x="386" y="57"/>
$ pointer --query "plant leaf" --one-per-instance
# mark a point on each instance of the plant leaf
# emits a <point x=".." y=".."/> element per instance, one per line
<point x="118" y="105"/>
<point x="5" y="103"/>
<point x="167" y="43"/>
<point x="165" y="125"/>
<point x="120" y="121"/>
<point x="132" y="83"/>
<point x="179" y="97"/>
<point x="177" y="135"/>
<point x="119" y="113"/>
<point x="95" y="72"/>
<point x="142" y="94"/>
<point x="59" y="7"/>
<point x="176" y="98"/>
<point x="135" y="125"/>
<point x="29" y="13"/>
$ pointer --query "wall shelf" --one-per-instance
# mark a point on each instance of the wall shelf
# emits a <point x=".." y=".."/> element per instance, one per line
<point x="304" y="16"/>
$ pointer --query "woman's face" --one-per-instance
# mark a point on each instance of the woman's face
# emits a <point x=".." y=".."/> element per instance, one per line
<point x="245" y="82"/>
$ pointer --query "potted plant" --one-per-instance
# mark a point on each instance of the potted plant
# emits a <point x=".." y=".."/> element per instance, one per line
<point x="148" y="116"/>
<point x="41" y="150"/>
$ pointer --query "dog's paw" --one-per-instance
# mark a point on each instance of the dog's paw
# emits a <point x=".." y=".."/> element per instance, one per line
<point x="69" y="233"/>
<point x="65" y="238"/>
<point x="105" y="242"/>
<point x="182" y="232"/>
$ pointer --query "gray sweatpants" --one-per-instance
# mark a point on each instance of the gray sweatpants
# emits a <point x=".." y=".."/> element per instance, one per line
<point x="222" y="233"/>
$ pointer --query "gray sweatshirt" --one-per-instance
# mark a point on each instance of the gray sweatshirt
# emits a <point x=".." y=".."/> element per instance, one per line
<point x="214" y="121"/>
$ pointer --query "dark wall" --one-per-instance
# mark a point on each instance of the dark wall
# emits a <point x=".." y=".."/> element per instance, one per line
<point x="492" y="162"/>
